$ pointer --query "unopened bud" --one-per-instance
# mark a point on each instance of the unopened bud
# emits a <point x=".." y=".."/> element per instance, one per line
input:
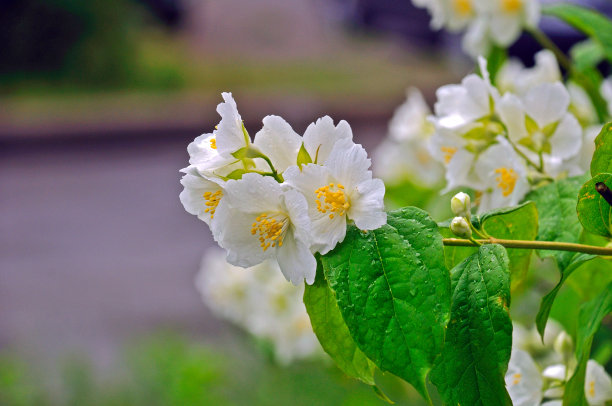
<point x="564" y="345"/>
<point x="461" y="205"/>
<point x="460" y="227"/>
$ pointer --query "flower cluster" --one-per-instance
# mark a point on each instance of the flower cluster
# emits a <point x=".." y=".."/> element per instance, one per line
<point x="502" y="140"/>
<point x="486" y="22"/>
<point x="541" y="381"/>
<point x="404" y="153"/>
<point x="281" y="196"/>
<point x="262" y="302"/>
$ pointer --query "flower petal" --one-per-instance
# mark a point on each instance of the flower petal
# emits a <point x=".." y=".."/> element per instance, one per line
<point x="320" y="137"/>
<point x="349" y="163"/>
<point x="254" y="193"/>
<point x="547" y="103"/>
<point x="279" y="142"/>
<point x="230" y="136"/>
<point x="296" y="261"/>
<point x="367" y="208"/>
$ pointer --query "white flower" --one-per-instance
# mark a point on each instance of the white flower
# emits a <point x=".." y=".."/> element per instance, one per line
<point x="523" y="380"/>
<point x="454" y="14"/>
<point x="540" y="121"/>
<point x="261" y="301"/>
<point x="504" y="175"/>
<point x="340" y="190"/>
<point x="514" y="77"/>
<point x="581" y="105"/>
<point x="211" y="154"/>
<point x="597" y="385"/>
<point x="606" y="92"/>
<point x="499" y="22"/>
<point x="461" y="228"/>
<point x="409" y="121"/>
<point x="404" y="152"/>
<point x="201" y="196"/>
<point x="465" y="126"/>
<point x="257" y="220"/>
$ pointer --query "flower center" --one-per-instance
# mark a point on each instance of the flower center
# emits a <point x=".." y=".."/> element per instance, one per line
<point x="212" y="201"/>
<point x="592" y="389"/>
<point x="333" y="199"/>
<point x="516" y="379"/>
<point x="270" y="230"/>
<point x="512" y="6"/>
<point x="449" y="152"/>
<point x="463" y="7"/>
<point x="213" y="143"/>
<point x="506" y="180"/>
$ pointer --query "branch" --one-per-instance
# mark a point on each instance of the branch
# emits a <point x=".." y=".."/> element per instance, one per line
<point x="538" y="245"/>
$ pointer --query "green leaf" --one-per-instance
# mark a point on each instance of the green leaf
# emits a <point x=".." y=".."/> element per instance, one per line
<point x="558" y="221"/>
<point x="303" y="157"/>
<point x="587" y="54"/>
<point x="475" y="357"/>
<point x="547" y="301"/>
<point x="332" y="332"/>
<point x="236" y="174"/>
<point x="602" y="158"/>
<point x="393" y="291"/>
<point x="518" y="223"/>
<point x="594" y="212"/>
<point x="591" y="315"/>
<point x="592" y="23"/>
<point x="497" y="58"/>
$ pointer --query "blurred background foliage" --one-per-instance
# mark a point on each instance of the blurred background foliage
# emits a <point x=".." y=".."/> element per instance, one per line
<point x="169" y="370"/>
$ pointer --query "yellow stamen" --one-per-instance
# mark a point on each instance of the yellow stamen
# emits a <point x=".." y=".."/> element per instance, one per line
<point x="512" y="6"/>
<point x="506" y="180"/>
<point x="449" y="152"/>
<point x="213" y="143"/>
<point x="463" y="7"/>
<point x="592" y="389"/>
<point x="516" y="379"/>
<point x="212" y="201"/>
<point x="333" y="199"/>
<point x="270" y="230"/>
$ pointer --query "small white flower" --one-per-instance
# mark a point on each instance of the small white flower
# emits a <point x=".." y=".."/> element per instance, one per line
<point x="340" y="190"/>
<point x="409" y="121"/>
<point x="404" y="153"/>
<point x="606" y="92"/>
<point x="504" y="175"/>
<point x="201" y="196"/>
<point x="597" y="385"/>
<point x="211" y="154"/>
<point x="540" y="121"/>
<point x="581" y="105"/>
<point x="257" y="220"/>
<point x="556" y="372"/>
<point x="262" y="302"/>
<point x="514" y="77"/>
<point x="523" y="380"/>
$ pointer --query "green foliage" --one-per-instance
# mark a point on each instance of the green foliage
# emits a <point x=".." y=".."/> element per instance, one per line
<point x="602" y="158"/>
<point x="556" y="204"/>
<point x="594" y="212"/>
<point x="592" y="23"/>
<point x="475" y="357"/>
<point x="497" y="57"/>
<point x="513" y="223"/>
<point x="393" y="291"/>
<point x="587" y="54"/>
<point x="548" y="300"/>
<point x="591" y="315"/>
<point x="332" y="332"/>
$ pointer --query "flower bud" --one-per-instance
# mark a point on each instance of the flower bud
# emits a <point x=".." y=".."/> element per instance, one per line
<point x="460" y="227"/>
<point x="564" y="345"/>
<point x="461" y="205"/>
